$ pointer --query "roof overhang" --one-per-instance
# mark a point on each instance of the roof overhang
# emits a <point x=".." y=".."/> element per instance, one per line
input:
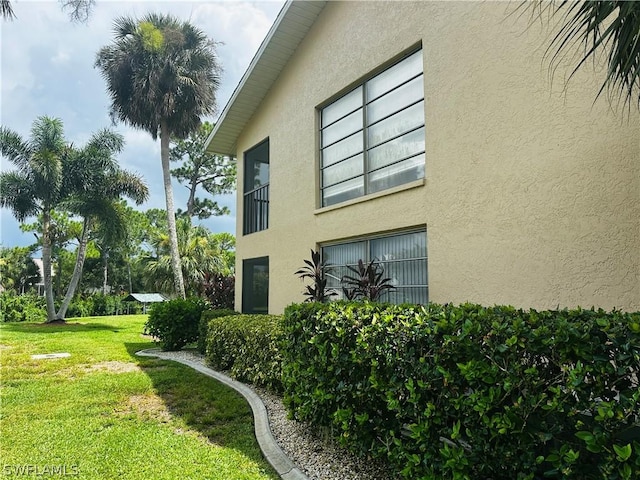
<point x="292" y="24"/>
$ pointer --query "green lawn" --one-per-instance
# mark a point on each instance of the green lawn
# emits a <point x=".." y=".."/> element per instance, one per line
<point x="104" y="413"/>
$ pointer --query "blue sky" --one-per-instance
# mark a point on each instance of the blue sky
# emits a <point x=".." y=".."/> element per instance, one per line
<point x="46" y="68"/>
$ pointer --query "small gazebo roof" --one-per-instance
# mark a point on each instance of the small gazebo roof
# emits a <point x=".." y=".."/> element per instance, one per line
<point x="145" y="297"/>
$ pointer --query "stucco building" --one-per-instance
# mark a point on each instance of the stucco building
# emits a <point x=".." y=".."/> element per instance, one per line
<point x="431" y="136"/>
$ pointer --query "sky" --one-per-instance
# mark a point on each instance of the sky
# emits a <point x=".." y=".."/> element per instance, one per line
<point x="47" y="68"/>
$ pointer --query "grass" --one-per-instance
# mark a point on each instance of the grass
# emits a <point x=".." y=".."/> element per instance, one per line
<point x="104" y="413"/>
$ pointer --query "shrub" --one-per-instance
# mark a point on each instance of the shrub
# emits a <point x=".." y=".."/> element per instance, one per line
<point x="219" y="290"/>
<point x="316" y="270"/>
<point x="366" y="282"/>
<point x="175" y="323"/>
<point x="248" y="346"/>
<point x="106" y="304"/>
<point x="203" y="326"/>
<point x="466" y="392"/>
<point x="27" y="307"/>
<point x="80" y="307"/>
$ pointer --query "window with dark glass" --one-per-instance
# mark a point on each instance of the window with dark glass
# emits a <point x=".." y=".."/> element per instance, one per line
<point x="403" y="256"/>
<point x="373" y="138"/>
<point x="256" y="189"/>
<point x="255" y="285"/>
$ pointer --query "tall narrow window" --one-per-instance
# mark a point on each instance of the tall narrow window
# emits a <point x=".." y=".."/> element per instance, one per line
<point x="403" y="257"/>
<point x="373" y="138"/>
<point x="255" y="285"/>
<point x="256" y="189"/>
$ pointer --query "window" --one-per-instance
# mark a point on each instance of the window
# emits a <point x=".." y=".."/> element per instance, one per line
<point x="256" y="188"/>
<point x="255" y="285"/>
<point x="403" y="257"/>
<point x="373" y="138"/>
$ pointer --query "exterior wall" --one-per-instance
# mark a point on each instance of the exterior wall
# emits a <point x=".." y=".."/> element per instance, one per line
<point x="531" y="194"/>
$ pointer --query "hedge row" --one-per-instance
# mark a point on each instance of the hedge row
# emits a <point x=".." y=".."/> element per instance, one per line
<point x="248" y="346"/>
<point x="203" y="327"/>
<point x="468" y="392"/>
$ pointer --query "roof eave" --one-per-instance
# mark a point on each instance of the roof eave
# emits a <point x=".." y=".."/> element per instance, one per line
<point x="291" y="25"/>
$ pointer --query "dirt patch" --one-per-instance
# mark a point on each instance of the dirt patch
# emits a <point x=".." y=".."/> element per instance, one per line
<point x="148" y="407"/>
<point x="113" y="367"/>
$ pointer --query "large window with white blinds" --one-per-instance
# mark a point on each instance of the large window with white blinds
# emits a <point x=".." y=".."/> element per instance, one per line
<point x="373" y="138"/>
<point x="403" y="256"/>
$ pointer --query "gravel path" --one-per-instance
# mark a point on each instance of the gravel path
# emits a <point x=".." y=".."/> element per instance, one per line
<point x="318" y="456"/>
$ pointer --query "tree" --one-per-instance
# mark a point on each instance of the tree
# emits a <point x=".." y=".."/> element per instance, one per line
<point x="162" y="76"/>
<point x="78" y="10"/>
<point x="37" y="185"/>
<point x="96" y="185"/>
<point x="63" y="230"/>
<point x="215" y="174"/>
<point x="202" y="252"/>
<point x="18" y="271"/>
<point x="610" y="27"/>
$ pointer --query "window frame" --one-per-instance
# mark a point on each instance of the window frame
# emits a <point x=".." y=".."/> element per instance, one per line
<point x="248" y="294"/>
<point x="255" y="219"/>
<point x="368" y="239"/>
<point x="365" y="172"/>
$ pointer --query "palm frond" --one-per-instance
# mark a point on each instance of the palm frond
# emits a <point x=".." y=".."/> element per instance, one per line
<point x="6" y="11"/>
<point x="607" y="27"/>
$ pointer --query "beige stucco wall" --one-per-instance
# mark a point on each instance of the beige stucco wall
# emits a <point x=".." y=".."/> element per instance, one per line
<point x="532" y="190"/>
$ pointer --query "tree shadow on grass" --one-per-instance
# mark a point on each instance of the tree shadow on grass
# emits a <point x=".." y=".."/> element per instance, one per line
<point x="206" y="406"/>
<point x="57" y="327"/>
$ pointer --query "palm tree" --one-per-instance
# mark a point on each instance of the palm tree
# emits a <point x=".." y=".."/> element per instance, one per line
<point x="162" y="76"/>
<point x="611" y="27"/>
<point x="96" y="184"/>
<point x="201" y="253"/>
<point x="36" y="187"/>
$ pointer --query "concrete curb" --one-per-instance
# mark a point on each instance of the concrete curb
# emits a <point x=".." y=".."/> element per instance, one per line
<point x="270" y="448"/>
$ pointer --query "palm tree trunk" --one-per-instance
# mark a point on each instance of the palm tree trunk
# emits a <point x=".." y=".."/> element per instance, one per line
<point x="105" y="272"/>
<point x="46" y="265"/>
<point x="171" y="217"/>
<point x="77" y="269"/>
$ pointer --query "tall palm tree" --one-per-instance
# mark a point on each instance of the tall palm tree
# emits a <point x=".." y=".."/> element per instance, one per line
<point x="96" y="185"/>
<point x="162" y="75"/>
<point x="36" y="187"/>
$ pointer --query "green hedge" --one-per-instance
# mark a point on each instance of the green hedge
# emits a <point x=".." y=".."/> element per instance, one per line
<point x="468" y="392"/>
<point x="248" y="346"/>
<point x="203" y="327"/>
<point x="175" y="323"/>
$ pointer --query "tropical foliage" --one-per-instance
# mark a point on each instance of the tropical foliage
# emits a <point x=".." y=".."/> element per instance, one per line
<point x="36" y="187"/>
<point x="608" y="28"/>
<point x="316" y="270"/>
<point x="51" y="175"/>
<point x="162" y="75"/>
<point x="202" y="253"/>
